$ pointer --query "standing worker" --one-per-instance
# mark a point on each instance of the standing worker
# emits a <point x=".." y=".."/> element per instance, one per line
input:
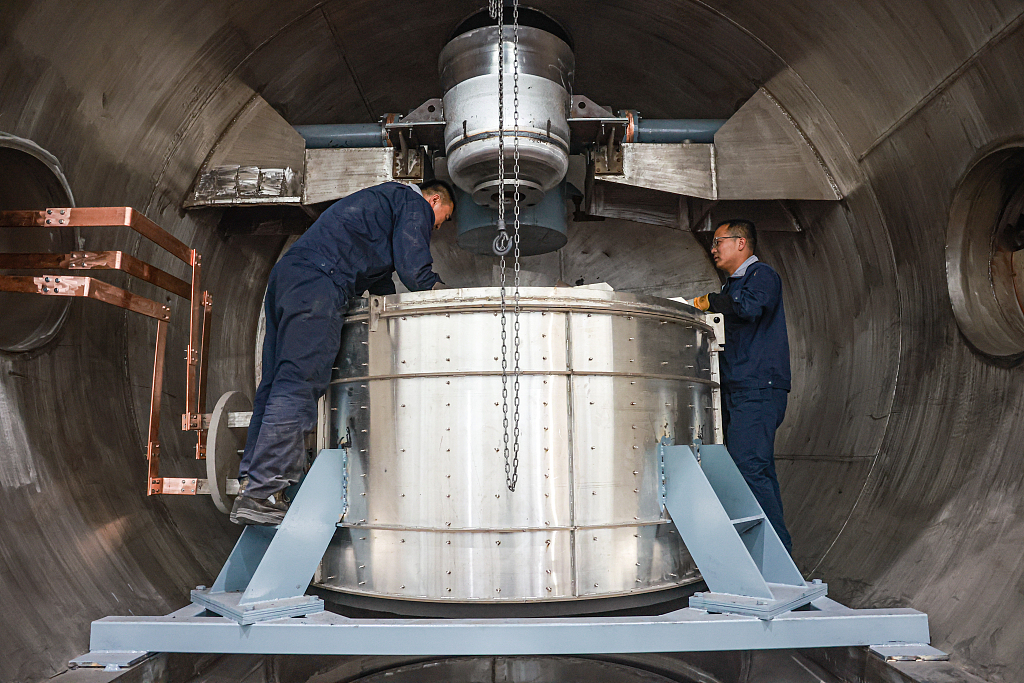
<point x="755" y="363"/>
<point x="354" y="246"/>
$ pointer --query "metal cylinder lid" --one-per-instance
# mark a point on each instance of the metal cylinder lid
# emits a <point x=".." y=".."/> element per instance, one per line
<point x="417" y="397"/>
<point x="475" y="53"/>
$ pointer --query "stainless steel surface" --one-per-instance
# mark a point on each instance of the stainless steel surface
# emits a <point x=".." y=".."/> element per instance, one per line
<point x="899" y="458"/>
<point x="759" y="154"/>
<point x="335" y="173"/>
<point x="469" y="74"/>
<point x="417" y="392"/>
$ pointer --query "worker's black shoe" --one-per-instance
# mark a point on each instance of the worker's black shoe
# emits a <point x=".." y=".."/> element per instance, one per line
<point x="262" y="511"/>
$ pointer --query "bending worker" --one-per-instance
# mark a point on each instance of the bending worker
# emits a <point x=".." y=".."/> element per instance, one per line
<point x="354" y="246"/>
<point x="755" y="363"/>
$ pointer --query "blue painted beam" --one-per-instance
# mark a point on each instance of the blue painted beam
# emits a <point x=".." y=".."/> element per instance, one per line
<point x="342" y="135"/>
<point x="676" y="130"/>
<point x="686" y="630"/>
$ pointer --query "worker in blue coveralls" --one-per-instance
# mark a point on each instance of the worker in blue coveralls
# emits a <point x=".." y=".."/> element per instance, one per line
<point x="354" y="246"/>
<point x="754" y="364"/>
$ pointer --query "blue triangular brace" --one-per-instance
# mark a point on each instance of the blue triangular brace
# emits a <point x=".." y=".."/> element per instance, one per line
<point x="737" y="551"/>
<point x="267" y="573"/>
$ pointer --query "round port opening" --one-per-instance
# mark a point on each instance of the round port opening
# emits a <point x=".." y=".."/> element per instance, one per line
<point x="32" y="180"/>
<point x="985" y="254"/>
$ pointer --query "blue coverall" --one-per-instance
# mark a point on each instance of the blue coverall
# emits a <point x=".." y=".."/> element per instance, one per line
<point x="755" y="381"/>
<point x="354" y="246"/>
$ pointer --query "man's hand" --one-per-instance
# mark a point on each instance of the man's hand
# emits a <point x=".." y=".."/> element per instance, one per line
<point x="702" y="303"/>
<point x="439" y="285"/>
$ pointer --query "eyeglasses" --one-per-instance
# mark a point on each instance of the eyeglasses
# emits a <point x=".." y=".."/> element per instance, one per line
<point x="714" y="242"/>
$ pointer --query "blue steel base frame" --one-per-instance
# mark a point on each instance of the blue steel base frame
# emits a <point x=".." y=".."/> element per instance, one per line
<point x="828" y="624"/>
<point x="754" y="586"/>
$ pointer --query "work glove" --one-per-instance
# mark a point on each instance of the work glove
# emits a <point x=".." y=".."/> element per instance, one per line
<point x="702" y="303"/>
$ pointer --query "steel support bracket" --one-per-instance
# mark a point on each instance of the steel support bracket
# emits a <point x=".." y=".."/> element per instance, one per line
<point x="607" y="155"/>
<point x="266" y="574"/>
<point x="737" y="551"/>
<point x="229" y="605"/>
<point x="108" y="660"/>
<point x="786" y="599"/>
<point x="908" y="652"/>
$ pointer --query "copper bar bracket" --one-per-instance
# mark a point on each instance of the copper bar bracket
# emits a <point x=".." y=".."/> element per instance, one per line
<point x="190" y="420"/>
<point x="204" y="364"/>
<point x="200" y="310"/>
<point x="99" y="260"/>
<point x="156" y="390"/>
<point x="91" y="288"/>
<point x="98" y="217"/>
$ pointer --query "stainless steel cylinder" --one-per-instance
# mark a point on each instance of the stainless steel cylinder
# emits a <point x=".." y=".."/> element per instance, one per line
<point x="469" y="75"/>
<point x="418" y="397"/>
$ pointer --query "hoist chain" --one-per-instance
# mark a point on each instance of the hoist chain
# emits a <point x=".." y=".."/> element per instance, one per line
<point x="510" y="481"/>
<point x="503" y="242"/>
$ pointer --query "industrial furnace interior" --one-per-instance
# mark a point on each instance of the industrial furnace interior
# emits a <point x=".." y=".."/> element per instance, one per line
<point x="899" y="458"/>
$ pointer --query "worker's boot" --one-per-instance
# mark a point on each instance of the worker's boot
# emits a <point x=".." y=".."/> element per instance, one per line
<point x="262" y="511"/>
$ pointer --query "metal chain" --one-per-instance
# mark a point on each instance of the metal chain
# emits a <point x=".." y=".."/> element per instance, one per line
<point x="501" y="241"/>
<point x="511" y="481"/>
<point x="502" y="244"/>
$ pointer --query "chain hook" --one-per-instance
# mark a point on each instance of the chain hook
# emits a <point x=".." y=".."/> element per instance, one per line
<point x="502" y="244"/>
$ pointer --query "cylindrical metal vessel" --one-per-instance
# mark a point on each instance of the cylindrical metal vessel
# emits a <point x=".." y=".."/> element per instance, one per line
<point x="469" y="76"/>
<point x="417" y="395"/>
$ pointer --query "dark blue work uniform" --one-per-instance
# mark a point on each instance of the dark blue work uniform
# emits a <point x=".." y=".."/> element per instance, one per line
<point x="755" y="380"/>
<point x="354" y="246"/>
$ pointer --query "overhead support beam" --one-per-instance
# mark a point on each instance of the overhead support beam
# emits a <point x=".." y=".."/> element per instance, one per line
<point x="759" y="154"/>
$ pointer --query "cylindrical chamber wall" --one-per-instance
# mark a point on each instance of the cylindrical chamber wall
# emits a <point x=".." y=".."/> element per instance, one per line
<point x="899" y="458"/>
<point x="418" y="396"/>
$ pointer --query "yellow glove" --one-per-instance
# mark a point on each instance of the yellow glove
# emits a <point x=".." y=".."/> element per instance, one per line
<point x="702" y="303"/>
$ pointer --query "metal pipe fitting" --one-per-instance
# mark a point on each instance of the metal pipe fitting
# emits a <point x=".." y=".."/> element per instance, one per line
<point x="343" y="135"/>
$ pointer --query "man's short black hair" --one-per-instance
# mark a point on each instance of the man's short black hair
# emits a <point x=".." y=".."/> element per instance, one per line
<point x="439" y="187"/>
<point x="742" y="228"/>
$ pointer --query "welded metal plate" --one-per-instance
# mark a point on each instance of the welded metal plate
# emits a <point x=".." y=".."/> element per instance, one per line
<point x="463" y="567"/>
<point x="909" y="652"/>
<point x="787" y="598"/>
<point x="434" y="458"/>
<point x="228" y="605"/>
<point x="110" y="660"/>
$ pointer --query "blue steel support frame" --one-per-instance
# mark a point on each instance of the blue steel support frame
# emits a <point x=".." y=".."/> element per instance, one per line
<point x="736" y="549"/>
<point x="267" y="573"/>
<point x="828" y="624"/>
<point x="713" y="511"/>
